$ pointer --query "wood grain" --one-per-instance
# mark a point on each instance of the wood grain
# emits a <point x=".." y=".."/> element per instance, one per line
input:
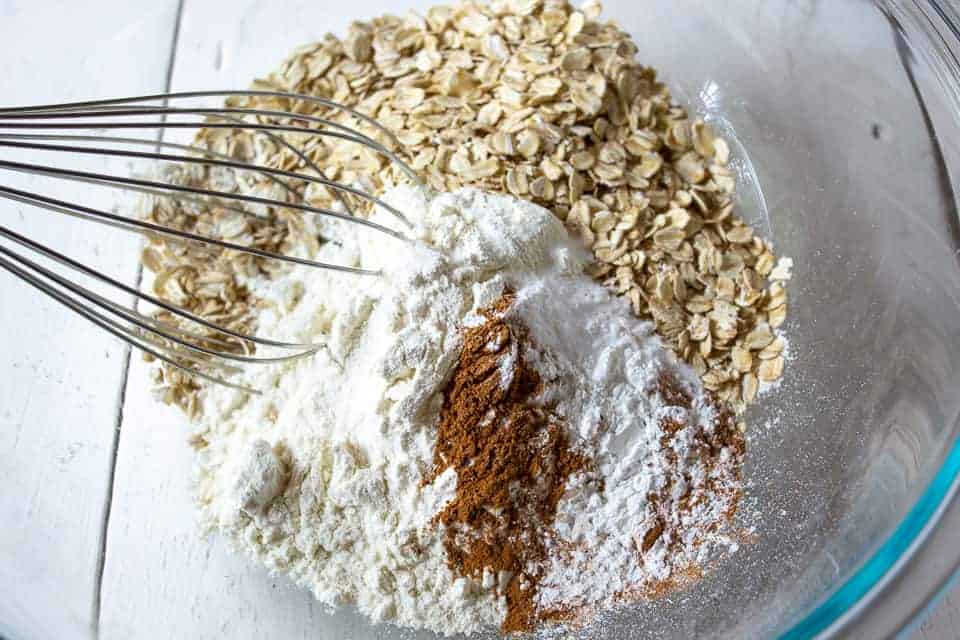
<point x="219" y="594"/>
<point x="183" y="586"/>
<point x="62" y="376"/>
<point x="60" y="403"/>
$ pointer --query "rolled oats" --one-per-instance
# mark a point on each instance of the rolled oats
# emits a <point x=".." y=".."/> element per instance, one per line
<point x="537" y="99"/>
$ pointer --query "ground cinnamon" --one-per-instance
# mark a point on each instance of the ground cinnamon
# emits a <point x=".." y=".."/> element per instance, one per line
<point x="512" y="460"/>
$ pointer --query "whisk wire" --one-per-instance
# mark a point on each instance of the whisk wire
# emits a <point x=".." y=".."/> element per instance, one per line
<point x="74" y="265"/>
<point x="58" y="129"/>
<point x="249" y="93"/>
<point x="166" y="331"/>
<point x="162" y="144"/>
<point x="142" y="226"/>
<point x="343" y="132"/>
<point x="232" y="164"/>
<point x="112" y="327"/>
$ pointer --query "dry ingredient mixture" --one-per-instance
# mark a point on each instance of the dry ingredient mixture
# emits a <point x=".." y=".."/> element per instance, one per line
<point x="487" y="438"/>
<point x="512" y="459"/>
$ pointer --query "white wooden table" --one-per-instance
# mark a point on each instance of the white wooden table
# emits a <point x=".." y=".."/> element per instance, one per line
<point x="95" y="505"/>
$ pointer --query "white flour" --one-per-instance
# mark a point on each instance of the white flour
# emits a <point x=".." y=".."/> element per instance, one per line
<point x="604" y="366"/>
<point x="320" y="477"/>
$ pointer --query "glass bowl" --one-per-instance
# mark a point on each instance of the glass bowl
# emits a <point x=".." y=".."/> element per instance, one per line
<point x="845" y="118"/>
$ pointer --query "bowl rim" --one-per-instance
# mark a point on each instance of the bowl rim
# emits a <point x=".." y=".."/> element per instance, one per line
<point x="854" y="596"/>
<point x="939" y="22"/>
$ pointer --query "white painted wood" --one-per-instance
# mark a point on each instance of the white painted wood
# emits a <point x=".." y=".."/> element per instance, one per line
<point x="61" y="377"/>
<point x="160" y="579"/>
<point x="158" y="574"/>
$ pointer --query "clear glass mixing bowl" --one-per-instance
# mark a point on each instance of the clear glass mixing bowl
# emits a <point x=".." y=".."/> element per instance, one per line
<point x="847" y="114"/>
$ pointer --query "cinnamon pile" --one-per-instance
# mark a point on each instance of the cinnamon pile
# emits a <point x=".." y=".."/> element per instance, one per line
<point x="512" y="460"/>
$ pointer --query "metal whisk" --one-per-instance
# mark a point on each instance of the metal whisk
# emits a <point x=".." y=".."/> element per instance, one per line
<point x="90" y="128"/>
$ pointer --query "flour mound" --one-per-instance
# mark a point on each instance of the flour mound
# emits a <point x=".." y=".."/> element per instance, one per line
<point x="320" y="477"/>
<point x="329" y="475"/>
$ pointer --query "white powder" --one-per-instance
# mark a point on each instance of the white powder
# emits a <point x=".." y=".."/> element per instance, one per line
<point x="604" y="367"/>
<point x="320" y="477"/>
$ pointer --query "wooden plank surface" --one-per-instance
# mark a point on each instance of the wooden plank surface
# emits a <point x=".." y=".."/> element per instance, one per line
<point x="181" y="586"/>
<point x="57" y="429"/>
<point x="60" y="395"/>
